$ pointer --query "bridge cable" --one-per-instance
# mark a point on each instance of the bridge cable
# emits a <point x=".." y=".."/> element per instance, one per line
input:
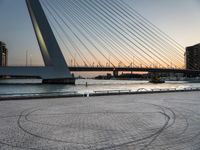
<point x="69" y="39"/>
<point x="97" y="35"/>
<point x="100" y="34"/>
<point x="110" y="18"/>
<point x="81" y="32"/>
<point x="91" y="34"/>
<point x="133" y="22"/>
<point x="113" y="27"/>
<point x="64" y="22"/>
<point x="106" y="32"/>
<point x="116" y="14"/>
<point x="147" y="22"/>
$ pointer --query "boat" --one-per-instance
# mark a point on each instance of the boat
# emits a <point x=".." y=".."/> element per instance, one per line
<point x="156" y="80"/>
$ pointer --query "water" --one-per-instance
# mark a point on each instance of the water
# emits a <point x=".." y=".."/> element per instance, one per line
<point x="80" y="87"/>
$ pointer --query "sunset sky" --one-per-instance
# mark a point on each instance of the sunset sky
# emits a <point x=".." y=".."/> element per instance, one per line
<point x="178" y="18"/>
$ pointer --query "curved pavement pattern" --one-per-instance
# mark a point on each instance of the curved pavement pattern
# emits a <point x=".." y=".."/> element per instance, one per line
<point x="169" y="121"/>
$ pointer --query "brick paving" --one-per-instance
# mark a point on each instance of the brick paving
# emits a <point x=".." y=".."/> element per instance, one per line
<point x="168" y="121"/>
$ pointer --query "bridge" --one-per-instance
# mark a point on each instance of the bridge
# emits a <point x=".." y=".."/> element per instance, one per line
<point x="121" y="69"/>
<point x="40" y="71"/>
<point x="97" y="35"/>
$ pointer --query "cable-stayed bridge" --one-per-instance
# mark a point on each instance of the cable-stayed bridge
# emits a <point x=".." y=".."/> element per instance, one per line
<point x="97" y="35"/>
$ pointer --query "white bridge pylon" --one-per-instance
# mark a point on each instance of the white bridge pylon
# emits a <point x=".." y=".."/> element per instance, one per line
<point x="56" y="69"/>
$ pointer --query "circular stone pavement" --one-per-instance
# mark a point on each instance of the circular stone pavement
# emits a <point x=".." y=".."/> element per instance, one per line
<point x="135" y="125"/>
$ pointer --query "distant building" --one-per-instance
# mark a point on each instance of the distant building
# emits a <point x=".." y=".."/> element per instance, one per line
<point x="192" y="57"/>
<point x="3" y="54"/>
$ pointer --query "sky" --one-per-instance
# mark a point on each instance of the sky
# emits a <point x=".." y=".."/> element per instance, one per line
<point x="178" y="18"/>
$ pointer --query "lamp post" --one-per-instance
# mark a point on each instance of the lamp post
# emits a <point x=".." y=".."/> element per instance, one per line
<point x="26" y="58"/>
<point x="30" y="59"/>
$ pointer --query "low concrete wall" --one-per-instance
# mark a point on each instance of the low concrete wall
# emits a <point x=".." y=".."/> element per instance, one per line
<point x="24" y="96"/>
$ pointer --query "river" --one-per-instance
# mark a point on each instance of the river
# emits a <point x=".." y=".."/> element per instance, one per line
<point x="19" y="86"/>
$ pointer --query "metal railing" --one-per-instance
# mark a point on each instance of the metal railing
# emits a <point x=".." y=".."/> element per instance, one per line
<point x="142" y="90"/>
<point x="113" y="91"/>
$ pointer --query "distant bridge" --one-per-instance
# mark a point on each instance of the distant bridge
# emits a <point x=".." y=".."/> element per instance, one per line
<point x="41" y="71"/>
<point x="137" y="69"/>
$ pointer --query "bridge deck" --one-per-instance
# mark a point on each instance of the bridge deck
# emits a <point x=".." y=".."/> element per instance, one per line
<point x="48" y="72"/>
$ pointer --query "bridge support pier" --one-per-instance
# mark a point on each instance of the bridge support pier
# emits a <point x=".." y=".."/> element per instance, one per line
<point x="115" y="73"/>
<point x="59" y="72"/>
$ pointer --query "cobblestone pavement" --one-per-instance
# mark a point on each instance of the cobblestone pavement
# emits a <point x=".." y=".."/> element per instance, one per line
<point x="136" y="122"/>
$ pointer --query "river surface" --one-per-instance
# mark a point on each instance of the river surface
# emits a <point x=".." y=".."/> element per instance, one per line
<point x="17" y="86"/>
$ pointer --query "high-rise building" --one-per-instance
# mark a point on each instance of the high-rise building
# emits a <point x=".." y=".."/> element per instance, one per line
<point x="3" y="54"/>
<point x="192" y="57"/>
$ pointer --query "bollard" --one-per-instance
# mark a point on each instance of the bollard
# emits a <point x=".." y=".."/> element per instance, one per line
<point x="88" y="94"/>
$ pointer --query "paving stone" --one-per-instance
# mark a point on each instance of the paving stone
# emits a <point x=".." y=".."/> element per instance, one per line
<point x="168" y="121"/>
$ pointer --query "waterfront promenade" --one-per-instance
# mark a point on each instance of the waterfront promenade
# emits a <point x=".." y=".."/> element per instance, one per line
<point x="164" y="121"/>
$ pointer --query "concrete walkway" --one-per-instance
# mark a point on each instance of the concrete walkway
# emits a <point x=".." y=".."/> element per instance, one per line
<point x="167" y="121"/>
